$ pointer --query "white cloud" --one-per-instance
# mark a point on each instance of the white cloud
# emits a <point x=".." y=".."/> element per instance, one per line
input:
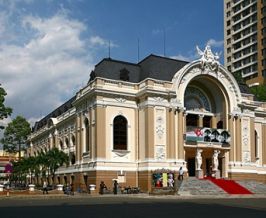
<point x="215" y="43"/>
<point x="98" y="41"/>
<point x="183" y="57"/>
<point x="48" y="68"/>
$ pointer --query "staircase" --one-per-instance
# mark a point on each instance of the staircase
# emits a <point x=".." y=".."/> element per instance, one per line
<point x="230" y="186"/>
<point x="254" y="186"/>
<point x="194" y="186"/>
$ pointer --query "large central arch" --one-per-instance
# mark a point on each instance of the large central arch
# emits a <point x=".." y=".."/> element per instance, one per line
<point x="221" y="77"/>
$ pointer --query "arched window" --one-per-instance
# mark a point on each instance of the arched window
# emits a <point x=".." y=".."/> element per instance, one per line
<point x="61" y="145"/>
<point x="73" y="140"/>
<point x="120" y="133"/>
<point x="67" y="142"/>
<point x="87" y="135"/>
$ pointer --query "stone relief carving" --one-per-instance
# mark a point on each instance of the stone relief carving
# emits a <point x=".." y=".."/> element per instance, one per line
<point x="245" y="141"/>
<point x="159" y="127"/>
<point x="119" y="154"/>
<point x="158" y="99"/>
<point x="209" y="61"/>
<point x="121" y="100"/>
<point x="195" y="70"/>
<point x="160" y="152"/>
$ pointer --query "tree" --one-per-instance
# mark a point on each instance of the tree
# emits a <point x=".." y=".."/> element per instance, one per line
<point x="56" y="159"/>
<point x="259" y="91"/>
<point x="4" y="111"/>
<point x="15" y="135"/>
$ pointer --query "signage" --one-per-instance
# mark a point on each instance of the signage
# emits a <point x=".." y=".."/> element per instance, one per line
<point x="208" y="135"/>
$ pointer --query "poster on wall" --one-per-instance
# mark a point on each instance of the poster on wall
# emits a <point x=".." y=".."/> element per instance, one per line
<point x="163" y="179"/>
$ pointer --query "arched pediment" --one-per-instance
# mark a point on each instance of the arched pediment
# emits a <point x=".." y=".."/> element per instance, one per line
<point x="220" y="75"/>
<point x="52" y="122"/>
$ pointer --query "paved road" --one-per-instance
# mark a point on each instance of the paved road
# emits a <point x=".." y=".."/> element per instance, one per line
<point x="129" y="206"/>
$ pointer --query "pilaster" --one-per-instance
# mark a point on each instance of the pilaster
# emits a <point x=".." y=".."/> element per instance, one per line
<point x="100" y="126"/>
<point x="149" y="139"/>
<point x="181" y="130"/>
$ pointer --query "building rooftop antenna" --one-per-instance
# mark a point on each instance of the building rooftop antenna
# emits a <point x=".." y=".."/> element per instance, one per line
<point x="138" y="50"/>
<point x="164" y="41"/>
<point x="109" y="50"/>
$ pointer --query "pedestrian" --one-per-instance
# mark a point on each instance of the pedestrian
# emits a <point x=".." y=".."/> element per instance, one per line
<point x="72" y="189"/>
<point x="115" y="187"/>
<point x="180" y="173"/>
<point x="102" y="188"/>
<point x="44" y="188"/>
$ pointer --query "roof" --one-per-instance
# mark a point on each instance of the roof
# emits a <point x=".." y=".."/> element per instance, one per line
<point x="57" y="112"/>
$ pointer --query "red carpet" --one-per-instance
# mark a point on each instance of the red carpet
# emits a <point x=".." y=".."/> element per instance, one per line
<point x="230" y="186"/>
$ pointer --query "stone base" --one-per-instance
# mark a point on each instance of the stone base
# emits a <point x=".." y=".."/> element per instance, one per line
<point x="217" y="174"/>
<point x="199" y="174"/>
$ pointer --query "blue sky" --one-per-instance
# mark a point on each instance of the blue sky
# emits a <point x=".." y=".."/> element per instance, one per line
<point x="48" y="48"/>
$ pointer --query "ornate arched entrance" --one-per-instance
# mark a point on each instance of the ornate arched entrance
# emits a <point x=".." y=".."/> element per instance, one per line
<point x="207" y="95"/>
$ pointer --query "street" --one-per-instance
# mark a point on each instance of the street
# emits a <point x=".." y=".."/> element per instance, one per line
<point x="130" y="206"/>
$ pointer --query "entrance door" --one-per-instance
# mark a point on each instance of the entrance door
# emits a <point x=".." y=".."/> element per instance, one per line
<point x="208" y="166"/>
<point x="191" y="166"/>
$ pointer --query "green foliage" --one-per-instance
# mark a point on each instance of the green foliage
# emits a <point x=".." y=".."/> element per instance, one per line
<point x="4" y="111"/>
<point x="15" y="135"/>
<point x="259" y="92"/>
<point x="40" y="165"/>
<point x="238" y="77"/>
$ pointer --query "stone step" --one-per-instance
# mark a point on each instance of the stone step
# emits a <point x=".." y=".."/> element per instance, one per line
<point x="196" y="186"/>
<point x="253" y="186"/>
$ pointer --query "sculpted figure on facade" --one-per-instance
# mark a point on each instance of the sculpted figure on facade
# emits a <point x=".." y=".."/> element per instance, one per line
<point x="198" y="159"/>
<point x="208" y="59"/>
<point x="215" y="160"/>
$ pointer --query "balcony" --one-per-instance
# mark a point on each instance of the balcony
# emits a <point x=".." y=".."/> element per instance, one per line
<point x="207" y="136"/>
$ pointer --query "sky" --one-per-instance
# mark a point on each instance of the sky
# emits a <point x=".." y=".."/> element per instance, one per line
<point x="49" y="47"/>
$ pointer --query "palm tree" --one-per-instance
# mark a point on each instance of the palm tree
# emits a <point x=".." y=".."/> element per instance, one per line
<point x="56" y="159"/>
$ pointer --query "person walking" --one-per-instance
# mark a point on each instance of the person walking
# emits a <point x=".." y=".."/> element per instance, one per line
<point x="180" y="173"/>
<point x="115" y="187"/>
<point x="102" y="188"/>
<point x="44" y="188"/>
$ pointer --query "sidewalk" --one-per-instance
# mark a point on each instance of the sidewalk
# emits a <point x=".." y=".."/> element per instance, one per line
<point x="141" y="195"/>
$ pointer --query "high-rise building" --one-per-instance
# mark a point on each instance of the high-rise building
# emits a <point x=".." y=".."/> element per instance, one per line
<point x="245" y="39"/>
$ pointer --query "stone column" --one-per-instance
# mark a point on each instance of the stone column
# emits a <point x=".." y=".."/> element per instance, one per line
<point x="238" y="139"/>
<point x="100" y="147"/>
<point x="263" y="140"/>
<point x="214" y="122"/>
<point x="170" y="125"/>
<point x="51" y="141"/>
<point x="232" y="134"/>
<point x="82" y="135"/>
<point x="56" y="138"/>
<point x="252" y="140"/>
<point x="181" y="131"/>
<point x="200" y="120"/>
<point x="78" y="144"/>
<point x="149" y="126"/>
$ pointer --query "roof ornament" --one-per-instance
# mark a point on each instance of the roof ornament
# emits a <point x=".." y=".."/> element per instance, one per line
<point x="209" y="61"/>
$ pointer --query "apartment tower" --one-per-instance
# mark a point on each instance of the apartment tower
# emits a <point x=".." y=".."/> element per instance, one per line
<point x="245" y="39"/>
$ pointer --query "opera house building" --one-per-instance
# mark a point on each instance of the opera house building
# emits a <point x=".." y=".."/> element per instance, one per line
<point x="139" y="123"/>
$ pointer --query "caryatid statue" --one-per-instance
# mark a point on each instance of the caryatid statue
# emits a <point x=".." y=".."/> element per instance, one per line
<point x="198" y="159"/>
<point x="215" y="160"/>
